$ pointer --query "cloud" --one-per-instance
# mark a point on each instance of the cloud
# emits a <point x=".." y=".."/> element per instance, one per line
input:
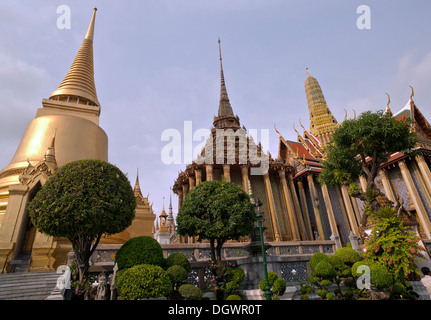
<point x="20" y="89"/>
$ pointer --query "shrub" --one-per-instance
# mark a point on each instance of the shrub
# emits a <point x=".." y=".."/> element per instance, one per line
<point x="330" y="296"/>
<point x="380" y="276"/>
<point x="326" y="283"/>
<point x="118" y="279"/>
<point x="237" y="274"/>
<point x="139" y="250"/>
<point x="179" y="259"/>
<point x="355" y="268"/>
<point x="322" y="293"/>
<point x="233" y="297"/>
<point x="348" y="255"/>
<point x="272" y="276"/>
<point x="279" y="287"/>
<point x="190" y="292"/>
<point x="324" y="270"/>
<point x="231" y="286"/>
<point x="177" y="274"/>
<point x="336" y="262"/>
<point x="316" y="258"/>
<point x="394" y="246"/>
<point x="144" y="281"/>
<point x="305" y="289"/>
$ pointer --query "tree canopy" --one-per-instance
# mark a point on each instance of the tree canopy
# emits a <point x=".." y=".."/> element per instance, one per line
<point x="359" y="147"/>
<point x="82" y="201"/>
<point x="217" y="211"/>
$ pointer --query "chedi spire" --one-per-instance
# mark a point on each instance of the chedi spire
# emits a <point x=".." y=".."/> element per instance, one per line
<point x="78" y="85"/>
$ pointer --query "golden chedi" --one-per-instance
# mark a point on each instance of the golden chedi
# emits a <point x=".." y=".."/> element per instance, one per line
<point x="72" y="112"/>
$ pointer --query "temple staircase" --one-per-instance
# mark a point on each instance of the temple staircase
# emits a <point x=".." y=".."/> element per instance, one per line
<point x="29" y="286"/>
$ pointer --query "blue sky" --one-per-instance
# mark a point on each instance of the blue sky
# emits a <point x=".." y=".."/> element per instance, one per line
<point x="157" y="65"/>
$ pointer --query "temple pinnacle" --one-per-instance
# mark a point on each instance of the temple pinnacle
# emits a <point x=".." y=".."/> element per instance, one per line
<point x="78" y="85"/>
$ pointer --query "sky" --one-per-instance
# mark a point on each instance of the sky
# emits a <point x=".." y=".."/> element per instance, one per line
<point x="157" y="68"/>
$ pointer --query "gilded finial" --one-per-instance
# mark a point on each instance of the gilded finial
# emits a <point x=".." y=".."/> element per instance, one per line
<point x="345" y="114"/>
<point x="354" y="114"/>
<point x="295" y="129"/>
<point x="301" y="124"/>
<point x="413" y="93"/>
<point x="308" y="72"/>
<point x="389" y="101"/>
<point x="279" y="135"/>
<point x="219" y="48"/>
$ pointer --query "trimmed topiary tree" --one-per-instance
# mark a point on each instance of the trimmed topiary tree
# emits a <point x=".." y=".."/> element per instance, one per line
<point x="144" y="281"/>
<point x="276" y="284"/>
<point x="348" y="255"/>
<point x="316" y="258"/>
<point x="140" y="250"/>
<point x="380" y="277"/>
<point x="83" y="201"/>
<point x="179" y="259"/>
<point x="190" y="292"/>
<point x="177" y="274"/>
<point x="324" y="270"/>
<point x="217" y="211"/>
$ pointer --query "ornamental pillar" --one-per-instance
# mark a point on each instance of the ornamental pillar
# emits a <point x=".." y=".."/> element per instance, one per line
<point x="315" y="199"/>
<point x="387" y="185"/>
<point x="363" y="183"/>
<point x="244" y="175"/>
<point x="349" y="208"/>
<point x="198" y="175"/>
<point x="329" y="209"/>
<point x="191" y="183"/>
<point x="425" y="170"/>
<point x="271" y="202"/>
<point x="180" y="199"/>
<point x="298" y="211"/>
<point x="226" y="172"/>
<point x="185" y="190"/>
<point x="420" y="209"/>
<point x="209" y="172"/>
<point x="289" y="204"/>
<point x="305" y="209"/>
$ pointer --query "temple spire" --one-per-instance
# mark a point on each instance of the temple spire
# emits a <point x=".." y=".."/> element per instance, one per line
<point x="225" y="109"/>
<point x="78" y="85"/>
<point x="137" y="189"/>
<point x="90" y="30"/>
<point x="225" y="117"/>
<point x="50" y="152"/>
<point x="322" y="122"/>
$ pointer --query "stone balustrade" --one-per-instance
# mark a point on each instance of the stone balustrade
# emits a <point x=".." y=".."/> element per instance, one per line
<point x="282" y="258"/>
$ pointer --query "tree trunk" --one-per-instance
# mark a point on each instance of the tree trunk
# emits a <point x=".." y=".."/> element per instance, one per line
<point x="83" y="249"/>
<point x="213" y="252"/>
